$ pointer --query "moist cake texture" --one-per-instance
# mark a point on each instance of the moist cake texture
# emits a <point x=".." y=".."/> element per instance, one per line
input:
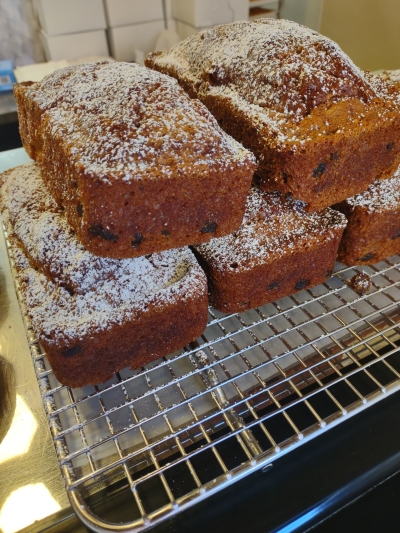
<point x="94" y="316"/>
<point x="138" y="166"/>
<point x="278" y="250"/>
<point x="373" y="229"/>
<point x="318" y="126"/>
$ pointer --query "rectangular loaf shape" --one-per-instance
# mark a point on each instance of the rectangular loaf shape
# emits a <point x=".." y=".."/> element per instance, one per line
<point x="137" y="165"/>
<point x="319" y="128"/>
<point x="95" y="316"/>
<point x="280" y="249"/>
<point x="373" y="223"/>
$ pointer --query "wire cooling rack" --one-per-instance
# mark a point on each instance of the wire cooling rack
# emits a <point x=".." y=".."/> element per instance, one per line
<point x="254" y="386"/>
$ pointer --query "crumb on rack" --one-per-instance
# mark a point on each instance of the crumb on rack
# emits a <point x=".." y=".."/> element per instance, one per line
<point x="361" y="283"/>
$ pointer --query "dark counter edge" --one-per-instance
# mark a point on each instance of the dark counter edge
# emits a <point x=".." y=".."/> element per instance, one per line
<point x="303" y="488"/>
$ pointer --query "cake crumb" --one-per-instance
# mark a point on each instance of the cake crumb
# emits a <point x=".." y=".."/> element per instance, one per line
<point x="361" y="283"/>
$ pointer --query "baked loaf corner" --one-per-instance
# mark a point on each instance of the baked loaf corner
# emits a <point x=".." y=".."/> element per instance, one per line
<point x="373" y="227"/>
<point x="95" y="316"/>
<point x="320" y="130"/>
<point x="138" y="166"/>
<point x="279" y="249"/>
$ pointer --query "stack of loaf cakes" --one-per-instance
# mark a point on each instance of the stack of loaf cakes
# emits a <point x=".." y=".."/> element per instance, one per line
<point x="324" y="134"/>
<point x="128" y="171"/>
<point x="132" y="165"/>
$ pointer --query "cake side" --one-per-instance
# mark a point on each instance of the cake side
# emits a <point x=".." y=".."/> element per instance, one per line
<point x="296" y="101"/>
<point x="94" y="316"/>
<point x="373" y="229"/>
<point x="88" y="354"/>
<point x="113" y="136"/>
<point x="279" y="249"/>
<point x="29" y="117"/>
<point x="277" y="65"/>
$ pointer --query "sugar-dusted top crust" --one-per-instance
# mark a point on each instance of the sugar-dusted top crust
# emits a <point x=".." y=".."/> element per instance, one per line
<point x="82" y="293"/>
<point x="124" y="121"/>
<point x="276" y="65"/>
<point x="393" y="75"/>
<point x="272" y="227"/>
<point x="381" y="196"/>
<point x="386" y="84"/>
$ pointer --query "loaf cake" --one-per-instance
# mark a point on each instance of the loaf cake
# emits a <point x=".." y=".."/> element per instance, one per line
<point x="136" y="164"/>
<point x="318" y="127"/>
<point x="92" y="315"/>
<point x="279" y="249"/>
<point x="373" y="229"/>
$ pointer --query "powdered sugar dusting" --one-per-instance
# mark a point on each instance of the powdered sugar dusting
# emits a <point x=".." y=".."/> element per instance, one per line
<point x="76" y="293"/>
<point x="382" y="195"/>
<point x="386" y="85"/>
<point x="272" y="227"/>
<point x="124" y="121"/>
<point x="393" y="75"/>
<point x="276" y="65"/>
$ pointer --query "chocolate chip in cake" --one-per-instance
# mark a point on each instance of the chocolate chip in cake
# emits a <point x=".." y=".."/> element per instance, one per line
<point x="108" y="236"/>
<point x="273" y="285"/>
<point x="97" y="231"/>
<point x="74" y="184"/>
<point x="69" y="289"/>
<point x="138" y="239"/>
<point x="301" y="284"/>
<point x="72" y="351"/>
<point x="285" y="177"/>
<point x="367" y="257"/>
<point x="165" y="232"/>
<point x="390" y="146"/>
<point x="79" y="208"/>
<point x="396" y="235"/>
<point x="211" y="227"/>
<point x="334" y="156"/>
<point x="319" y="170"/>
<point x="234" y="265"/>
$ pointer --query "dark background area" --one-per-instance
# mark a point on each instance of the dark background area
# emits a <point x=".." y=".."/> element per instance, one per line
<point x="9" y="136"/>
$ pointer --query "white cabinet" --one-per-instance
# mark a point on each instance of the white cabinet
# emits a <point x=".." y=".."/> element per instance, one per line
<point x="57" y="17"/>
<point x="125" y="12"/>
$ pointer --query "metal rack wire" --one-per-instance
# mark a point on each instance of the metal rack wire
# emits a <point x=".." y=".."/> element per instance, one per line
<point x="254" y="386"/>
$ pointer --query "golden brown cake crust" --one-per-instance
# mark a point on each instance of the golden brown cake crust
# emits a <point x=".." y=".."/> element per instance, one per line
<point x="95" y="316"/>
<point x="138" y="166"/>
<point x="373" y="229"/>
<point x="280" y="249"/>
<point x="317" y="125"/>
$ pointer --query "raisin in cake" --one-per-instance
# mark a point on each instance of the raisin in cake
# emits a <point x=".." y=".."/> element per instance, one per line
<point x="279" y="249"/>
<point x="373" y="228"/>
<point x="138" y="166"/>
<point x="316" y="123"/>
<point x="94" y="316"/>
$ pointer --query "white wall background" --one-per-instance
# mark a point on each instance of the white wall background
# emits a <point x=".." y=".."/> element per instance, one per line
<point x="367" y="30"/>
<point x="306" y="12"/>
<point x="18" y="35"/>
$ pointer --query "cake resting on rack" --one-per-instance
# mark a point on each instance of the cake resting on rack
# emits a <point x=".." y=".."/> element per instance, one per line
<point x="320" y="130"/>
<point x="279" y="249"/>
<point x="138" y="166"/>
<point x="373" y="230"/>
<point x="129" y="169"/>
<point x="95" y="316"/>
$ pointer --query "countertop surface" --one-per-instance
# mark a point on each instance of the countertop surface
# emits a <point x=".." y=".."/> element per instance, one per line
<point x="30" y="478"/>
